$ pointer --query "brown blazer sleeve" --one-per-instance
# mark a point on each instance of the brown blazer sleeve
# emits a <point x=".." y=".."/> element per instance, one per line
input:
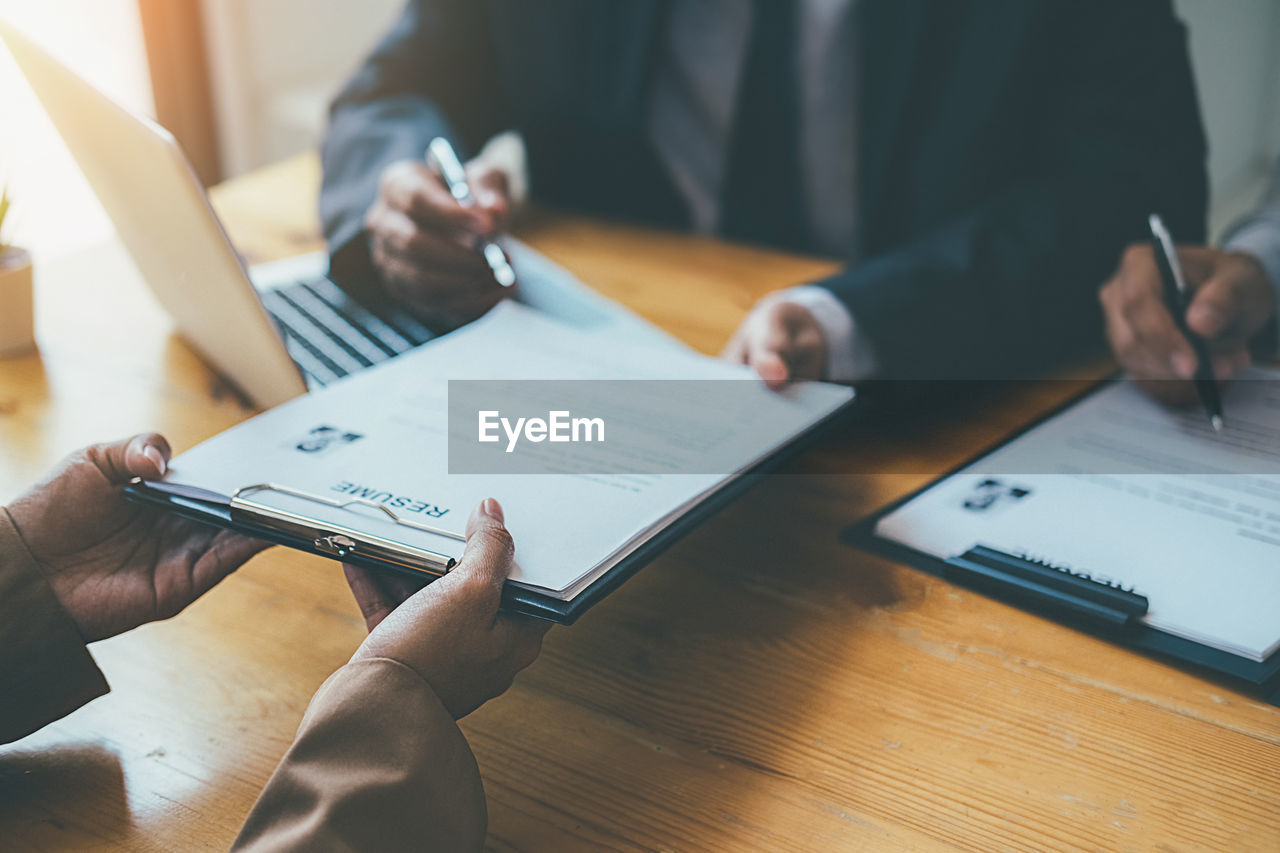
<point x="45" y="670"/>
<point x="378" y="764"/>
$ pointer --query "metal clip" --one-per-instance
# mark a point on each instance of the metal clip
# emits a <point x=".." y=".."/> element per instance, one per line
<point x="335" y="546"/>
<point x="241" y="497"/>
<point x="339" y="540"/>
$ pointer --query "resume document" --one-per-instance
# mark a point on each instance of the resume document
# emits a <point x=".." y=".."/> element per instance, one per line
<point x="382" y="437"/>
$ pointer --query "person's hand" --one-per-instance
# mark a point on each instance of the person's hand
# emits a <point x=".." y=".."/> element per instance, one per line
<point x="1233" y="301"/>
<point x="115" y="565"/>
<point x="451" y="632"/>
<point x="781" y="340"/>
<point x="424" y="243"/>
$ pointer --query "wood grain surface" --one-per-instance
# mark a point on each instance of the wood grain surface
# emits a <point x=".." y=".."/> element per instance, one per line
<point x="759" y="687"/>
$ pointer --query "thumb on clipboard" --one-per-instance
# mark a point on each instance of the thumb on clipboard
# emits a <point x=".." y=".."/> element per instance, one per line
<point x="451" y="632"/>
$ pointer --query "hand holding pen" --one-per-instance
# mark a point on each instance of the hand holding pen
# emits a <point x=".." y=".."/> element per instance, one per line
<point x="1226" y="303"/>
<point x="440" y="156"/>
<point x="429" y="247"/>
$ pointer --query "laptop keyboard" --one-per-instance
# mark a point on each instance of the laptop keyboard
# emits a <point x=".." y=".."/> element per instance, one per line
<point x="329" y="335"/>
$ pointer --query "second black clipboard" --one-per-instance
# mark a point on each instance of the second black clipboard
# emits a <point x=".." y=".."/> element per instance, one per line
<point x="1106" y="612"/>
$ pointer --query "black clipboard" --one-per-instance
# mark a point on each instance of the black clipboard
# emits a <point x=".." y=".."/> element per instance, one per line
<point x="1256" y="678"/>
<point x="217" y="510"/>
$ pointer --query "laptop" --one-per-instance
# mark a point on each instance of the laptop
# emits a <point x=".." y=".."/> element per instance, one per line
<point x="276" y="331"/>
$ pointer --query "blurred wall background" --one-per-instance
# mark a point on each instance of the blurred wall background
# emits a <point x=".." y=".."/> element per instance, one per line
<point x="53" y="208"/>
<point x="276" y="63"/>
<point x="1235" y="45"/>
<point x="272" y="66"/>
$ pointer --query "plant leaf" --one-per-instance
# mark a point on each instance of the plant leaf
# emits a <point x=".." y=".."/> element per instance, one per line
<point x="4" y="210"/>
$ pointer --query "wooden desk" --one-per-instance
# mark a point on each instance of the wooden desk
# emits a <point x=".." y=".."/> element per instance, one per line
<point x="759" y="687"/>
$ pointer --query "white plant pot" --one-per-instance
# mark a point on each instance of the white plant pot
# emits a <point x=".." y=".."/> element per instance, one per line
<point x="17" y="303"/>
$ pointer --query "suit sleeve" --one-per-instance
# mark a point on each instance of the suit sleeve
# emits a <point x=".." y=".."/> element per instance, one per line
<point x="432" y="75"/>
<point x="378" y="764"/>
<point x="1003" y="289"/>
<point x="46" y="672"/>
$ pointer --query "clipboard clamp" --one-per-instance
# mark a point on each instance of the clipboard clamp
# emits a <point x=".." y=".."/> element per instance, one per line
<point x="1040" y="585"/>
<point x="340" y="541"/>
<point x="335" y="546"/>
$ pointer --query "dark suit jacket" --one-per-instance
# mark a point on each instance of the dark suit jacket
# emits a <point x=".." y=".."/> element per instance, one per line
<point x="1007" y="150"/>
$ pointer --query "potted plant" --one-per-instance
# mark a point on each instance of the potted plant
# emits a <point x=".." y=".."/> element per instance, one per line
<point x="17" y="308"/>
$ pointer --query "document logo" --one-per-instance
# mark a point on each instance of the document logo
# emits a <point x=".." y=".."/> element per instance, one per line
<point x="991" y="494"/>
<point x="324" y="441"/>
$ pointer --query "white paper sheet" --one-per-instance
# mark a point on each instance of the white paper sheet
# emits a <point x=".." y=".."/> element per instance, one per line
<point x="568" y="529"/>
<point x="1129" y="490"/>
<point x="553" y="291"/>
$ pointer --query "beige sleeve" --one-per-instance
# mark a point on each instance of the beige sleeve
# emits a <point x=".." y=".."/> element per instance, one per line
<point x="377" y="764"/>
<point x="45" y="670"/>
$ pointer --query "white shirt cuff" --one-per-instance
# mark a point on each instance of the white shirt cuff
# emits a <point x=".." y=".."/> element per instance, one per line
<point x="1262" y="241"/>
<point x="506" y="152"/>
<point x="850" y="357"/>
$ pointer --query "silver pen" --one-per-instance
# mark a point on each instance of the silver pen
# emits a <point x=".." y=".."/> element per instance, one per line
<point x="440" y="155"/>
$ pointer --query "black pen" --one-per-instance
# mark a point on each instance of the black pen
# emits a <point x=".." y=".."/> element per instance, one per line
<point x="1177" y="297"/>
